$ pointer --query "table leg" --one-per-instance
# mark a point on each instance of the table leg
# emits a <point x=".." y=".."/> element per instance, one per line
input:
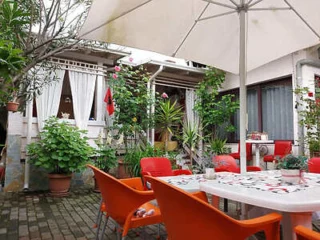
<point x="257" y="155"/>
<point x="290" y="220"/>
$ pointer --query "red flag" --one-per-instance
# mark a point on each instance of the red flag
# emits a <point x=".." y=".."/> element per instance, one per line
<point x="109" y="101"/>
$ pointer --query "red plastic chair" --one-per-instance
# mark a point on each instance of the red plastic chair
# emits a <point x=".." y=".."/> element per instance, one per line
<point x="122" y="199"/>
<point x="187" y="217"/>
<point x="226" y="163"/>
<point x="281" y="148"/>
<point x="304" y="233"/>
<point x="236" y="155"/>
<point x="314" y="165"/>
<point x="159" y="167"/>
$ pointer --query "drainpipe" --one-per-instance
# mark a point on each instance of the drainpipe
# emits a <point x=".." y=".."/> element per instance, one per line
<point x="299" y="64"/>
<point x="151" y="81"/>
<point x="29" y="131"/>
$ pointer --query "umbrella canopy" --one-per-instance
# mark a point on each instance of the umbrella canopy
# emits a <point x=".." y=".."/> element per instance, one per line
<point x="233" y="35"/>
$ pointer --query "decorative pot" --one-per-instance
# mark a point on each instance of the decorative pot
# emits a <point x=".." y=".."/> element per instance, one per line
<point x="12" y="106"/>
<point x="123" y="170"/>
<point x="292" y="176"/>
<point x="59" y="184"/>
<point x="172" y="145"/>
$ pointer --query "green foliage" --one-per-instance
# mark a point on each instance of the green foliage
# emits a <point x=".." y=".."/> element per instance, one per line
<point x="167" y="116"/>
<point x="134" y="155"/>
<point x="61" y="148"/>
<point x="132" y="99"/>
<point x="214" y="111"/>
<point x="309" y="112"/>
<point x="293" y="162"/>
<point x="105" y="157"/>
<point x="190" y="135"/>
<point x="218" y="146"/>
<point x="11" y="62"/>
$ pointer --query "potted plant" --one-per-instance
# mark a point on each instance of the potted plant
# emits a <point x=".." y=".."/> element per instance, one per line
<point x="191" y="137"/>
<point x="291" y="168"/>
<point x="105" y="159"/>
<point x="168" y="116"/>
<point x="11" y="63"/>
<point x="61" y="150"/>
<point x="134" y="155"/>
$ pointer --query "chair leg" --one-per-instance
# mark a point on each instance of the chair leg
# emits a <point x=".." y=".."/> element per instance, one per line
<point x="266" y="165"/>
<point x="104" y="228"/>
<point x="225" y="205"/>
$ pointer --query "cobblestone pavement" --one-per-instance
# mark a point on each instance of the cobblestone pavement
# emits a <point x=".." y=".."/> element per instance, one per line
<point x="37" y="215"/>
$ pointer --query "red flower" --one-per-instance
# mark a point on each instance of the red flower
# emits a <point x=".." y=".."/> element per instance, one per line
<point x="310" y="94"/>
<point x="114" y="76"/>
<point x="117" y="68"/>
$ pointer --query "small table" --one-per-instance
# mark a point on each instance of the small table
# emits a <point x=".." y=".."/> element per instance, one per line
<point x="257" y="144"/>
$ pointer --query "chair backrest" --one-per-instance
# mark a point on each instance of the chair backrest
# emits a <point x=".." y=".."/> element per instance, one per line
<point x="282" y="147"/>
<point x="248" y="149"/>
<point x="304" y="233"/>
<point x="120" y="199"/>
<point x="314" y="165"/>
<point x="225" y="163"/>
<point x="187" y="217"/>
<point x="156" y="166"/>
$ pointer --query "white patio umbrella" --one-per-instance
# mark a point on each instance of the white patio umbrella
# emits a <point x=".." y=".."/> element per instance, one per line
<point x="233" y="35"/>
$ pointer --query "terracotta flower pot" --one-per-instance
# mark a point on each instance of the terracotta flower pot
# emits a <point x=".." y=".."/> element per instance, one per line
<point x="59" y="184"/>
<point x="12" y="106"/>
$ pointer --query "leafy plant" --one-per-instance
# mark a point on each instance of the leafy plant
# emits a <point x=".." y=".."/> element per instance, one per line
<point x="191" y="137"/>
<point x="293" y="162"/>
<point x="308" y="109"/>
<point x="105" y="157"/>
<point x="214" y="111"/>
<point x="218" y="146"/>
<point x="134" y="155"/>
<point x="133" y="99"/>
<point x="167" y="117"/>
<point x="61" y="148"/>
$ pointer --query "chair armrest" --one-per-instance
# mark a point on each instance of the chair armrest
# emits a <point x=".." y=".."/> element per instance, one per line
<point x="262" y="223"/>
<point x="134" y="183"/>
<point x="306" y="233"/>
<point x="200" y="195"/>
<point x="177" y="172"/>
<point x="145" y="186"/>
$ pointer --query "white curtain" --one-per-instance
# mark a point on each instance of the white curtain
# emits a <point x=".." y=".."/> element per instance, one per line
<point x="192" y="116"/>
<point x="48" y="102"/>
<point x="82" y="89"/>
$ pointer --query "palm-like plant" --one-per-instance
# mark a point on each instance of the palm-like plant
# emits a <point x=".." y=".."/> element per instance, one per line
<point x="191" y="136"/>
<point x="168" y="115"/>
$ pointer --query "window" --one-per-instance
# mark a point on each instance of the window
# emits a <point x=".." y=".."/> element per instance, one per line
<point x="270" y="109"/>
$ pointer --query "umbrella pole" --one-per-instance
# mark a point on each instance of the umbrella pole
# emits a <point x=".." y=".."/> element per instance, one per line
<point x="243" y="90"/>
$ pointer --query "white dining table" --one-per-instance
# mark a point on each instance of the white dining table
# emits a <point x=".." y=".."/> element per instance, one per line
<point x="258" y="143"/>
<point x="263" y="189"/>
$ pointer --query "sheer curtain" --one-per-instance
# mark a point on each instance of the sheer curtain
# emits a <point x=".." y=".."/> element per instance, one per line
<point x="48" y="102"/>
<point x="192" y="116"/>
<point x="82" y="89"/>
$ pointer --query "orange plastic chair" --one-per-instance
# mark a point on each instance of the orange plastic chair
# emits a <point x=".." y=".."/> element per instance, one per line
<point x="314" y="165"/>
<point x="304" y="233"/>
<point x="226" y="163"/>
<point x="159" y="167"/>
<point x="122" y="199"/>
<point x="180" y="211"/>
<point x="281" y="148"/>
<point x="236" y="155"/>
